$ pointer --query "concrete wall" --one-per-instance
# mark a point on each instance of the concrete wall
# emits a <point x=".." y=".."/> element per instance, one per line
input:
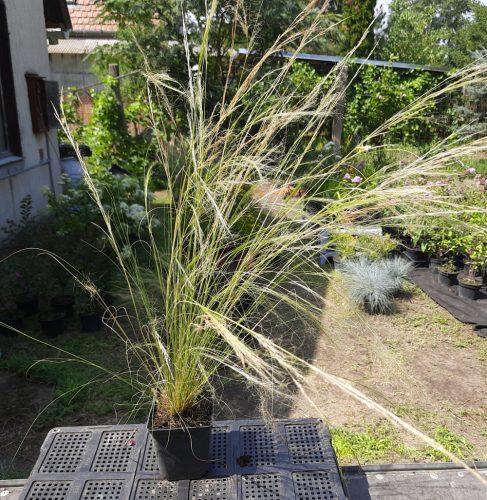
<point x="73" y="70"/>
<point x="39" y="165"/>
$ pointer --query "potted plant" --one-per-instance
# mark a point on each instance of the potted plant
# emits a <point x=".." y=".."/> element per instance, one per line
<point x="90" y="316"/>
<point x="52" y="323"/>
<point x="25" y="292"/>
<point x="470" y="282"/>
<point x="415" y="245"/>
<point x="63" y="302"/>
<point x="448" y="273"/>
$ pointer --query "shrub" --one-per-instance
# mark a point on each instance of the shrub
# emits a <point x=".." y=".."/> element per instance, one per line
<point x="371" y="246"/>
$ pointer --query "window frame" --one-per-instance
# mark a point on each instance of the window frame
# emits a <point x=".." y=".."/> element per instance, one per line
<point x="8" y="100"/>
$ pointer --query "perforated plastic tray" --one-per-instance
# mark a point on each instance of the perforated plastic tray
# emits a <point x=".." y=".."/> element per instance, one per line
<point x="288" y="459"/>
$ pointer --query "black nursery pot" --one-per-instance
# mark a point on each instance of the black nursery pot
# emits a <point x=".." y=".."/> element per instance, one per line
<point x="435" y="263"/>
<point x="91" y="322"/>
<point x="468" y="290"/>
<point x="63" y="304"/>
<point x="28" y="306"/>
<point x="447" y="279"/>
<point x="53" y="325"/>
<point x="416" y="256"/>
<point x="182" y="453"/>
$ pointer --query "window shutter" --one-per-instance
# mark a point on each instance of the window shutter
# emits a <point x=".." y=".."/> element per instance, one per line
<point x="36" y="89"/>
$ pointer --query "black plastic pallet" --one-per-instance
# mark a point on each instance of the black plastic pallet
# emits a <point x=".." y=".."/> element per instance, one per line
<point x="288" y="459"/>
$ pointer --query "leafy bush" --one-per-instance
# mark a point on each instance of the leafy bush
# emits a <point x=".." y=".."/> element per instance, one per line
<point x="76" y="215"/>
<point x="371" y="246"/>
<point x="372" y="284"/>
<point x="106" y="134"/>
<point x="380" y="93"/>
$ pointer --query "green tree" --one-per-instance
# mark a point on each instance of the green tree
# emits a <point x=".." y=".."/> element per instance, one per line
<point x="410" y="35"/>
<point x="154" y="32"/>
<point x="471" y="38"/>
<point x="358" y="19"/>
<point x="382" y="92"/>
<point x="424" y="31"/>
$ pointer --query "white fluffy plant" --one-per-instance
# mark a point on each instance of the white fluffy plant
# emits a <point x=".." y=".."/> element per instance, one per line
<point x="186" y="290"/>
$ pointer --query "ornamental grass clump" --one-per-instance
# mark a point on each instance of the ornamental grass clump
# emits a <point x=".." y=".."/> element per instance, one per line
<point x="197" y="289"/>
<point x="373" y="284"/>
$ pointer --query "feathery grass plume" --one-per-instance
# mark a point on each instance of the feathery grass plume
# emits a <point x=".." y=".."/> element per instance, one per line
<point x="185" y="284"/>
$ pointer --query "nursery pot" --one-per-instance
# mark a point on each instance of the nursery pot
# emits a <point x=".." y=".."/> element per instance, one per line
<point x="447" y="279"/>
<point x="435" y="263"/>
<point x="91" y="322"/>
<point x="27" y="305"/>
<point x="469" y="290"/>
<point x="53" y="325"/>
<point x="416" y="256"/>
<point x="12" y="319"/>
<point x="182" y="453"/>
<point x="63" y="304"/>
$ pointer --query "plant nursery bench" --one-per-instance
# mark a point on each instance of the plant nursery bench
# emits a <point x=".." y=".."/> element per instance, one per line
<point x="251" y="459"/>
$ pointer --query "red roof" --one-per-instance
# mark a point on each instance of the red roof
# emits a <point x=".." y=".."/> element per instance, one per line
<point x="85" y="17"/>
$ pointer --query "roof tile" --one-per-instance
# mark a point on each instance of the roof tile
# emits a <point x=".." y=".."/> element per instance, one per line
<point x="85" y="17"/>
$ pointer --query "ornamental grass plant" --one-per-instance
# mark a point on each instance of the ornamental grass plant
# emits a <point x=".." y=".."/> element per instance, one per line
<point x="227" y="252"/>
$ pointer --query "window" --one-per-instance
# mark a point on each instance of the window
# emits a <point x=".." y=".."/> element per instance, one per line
<point x="9" y="126"/>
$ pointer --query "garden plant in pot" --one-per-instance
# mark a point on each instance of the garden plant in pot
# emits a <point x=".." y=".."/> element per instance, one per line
<point x="180" y="299"/>
<point x="470" y="282"/>
<point x="448" y="273"/>
<point x="415" y="245"/>
<point x="25" y="290"/>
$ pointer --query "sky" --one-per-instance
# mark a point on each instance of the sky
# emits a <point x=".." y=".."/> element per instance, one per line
<point x="387" y="2"/>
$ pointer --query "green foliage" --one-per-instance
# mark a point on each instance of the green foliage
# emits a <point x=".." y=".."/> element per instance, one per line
<point x="454" y="443"/>
<point x="371" y="246"/>
<point x="471" y="112"/>
<point x="77" y="217"/>
<point x="381" y="93"/>
<point x="106" y="134"/>
<point x="358" y="17"/>
<point x="78" y="385"/>
<point x="235" y="23"/>
<point x="410" y="36"/>
<point x="427" y="32"/>
<point x="373" y="444"/>
<point x="471" y="37"/>
<point x="13" y="228"/>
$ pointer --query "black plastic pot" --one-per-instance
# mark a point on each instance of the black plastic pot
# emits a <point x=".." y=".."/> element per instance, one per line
<point x="416" y="256"/>
<point x="12" y="319"/>
<point x="28" y="306"/>
<point x="53" y="325"/>
<point x="182" y="453"/>
<point x="91" y="322"/>
<point x="435" y="263"/>
<point x="63" y="304"/>
<point x="447" y="279"/>
<point x="469" y="290"/>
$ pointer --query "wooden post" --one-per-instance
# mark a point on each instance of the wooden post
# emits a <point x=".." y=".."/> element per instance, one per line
<point x="114" y="72"/>
<point x="337" y="128"/>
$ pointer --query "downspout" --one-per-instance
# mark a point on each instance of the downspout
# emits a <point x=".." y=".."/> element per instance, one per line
<point x="49" y="161"/>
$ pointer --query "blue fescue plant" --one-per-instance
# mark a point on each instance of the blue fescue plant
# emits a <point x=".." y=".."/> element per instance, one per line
<point x="373" y="284"/>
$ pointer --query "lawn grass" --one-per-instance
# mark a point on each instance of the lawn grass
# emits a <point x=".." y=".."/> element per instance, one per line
<point x="78" y="387"/>
<point x="383" y="443"/>
<point x="480" y="164"/>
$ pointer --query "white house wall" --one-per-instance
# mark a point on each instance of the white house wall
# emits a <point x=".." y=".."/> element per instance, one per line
<point x="39" y="165"/>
